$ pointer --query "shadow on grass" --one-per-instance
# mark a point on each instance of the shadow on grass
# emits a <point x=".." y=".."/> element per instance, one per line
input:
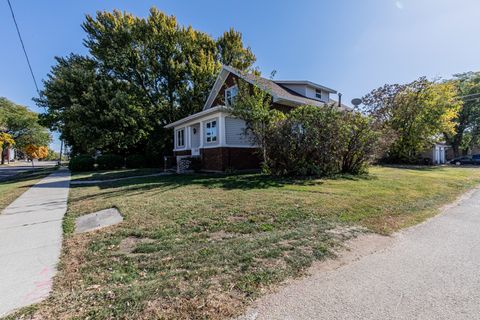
<point x="427" y="167"/>
<point x="109" y="174"/>
<point x="241" y="182"/>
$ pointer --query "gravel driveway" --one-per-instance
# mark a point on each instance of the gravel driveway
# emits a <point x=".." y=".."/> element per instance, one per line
<point x="431" y="271"/>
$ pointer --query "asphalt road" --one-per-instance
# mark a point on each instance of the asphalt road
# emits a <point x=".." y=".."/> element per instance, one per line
<point x="31" y="239"/>
<point x="8" y="171"/>
<point x="431" y="271"/>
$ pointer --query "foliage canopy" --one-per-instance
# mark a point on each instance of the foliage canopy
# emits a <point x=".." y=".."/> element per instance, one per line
<point x="140" y="74"/>
<point x="416" y="114"/>
<point x="22" y="125"/>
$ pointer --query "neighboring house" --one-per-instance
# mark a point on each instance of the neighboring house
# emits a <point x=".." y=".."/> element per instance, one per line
<point x="220" y="139"/>
<point x="9" y="154"/>
<point x="437" y="153"/>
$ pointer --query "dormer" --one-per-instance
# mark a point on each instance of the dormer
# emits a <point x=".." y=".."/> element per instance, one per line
<point x="308" y="89"/>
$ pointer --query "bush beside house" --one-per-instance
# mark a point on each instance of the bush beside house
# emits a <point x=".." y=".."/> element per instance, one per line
<point x="320" y="142"/>
<point x="136" y="161"/>
<point x="110" y="162"/>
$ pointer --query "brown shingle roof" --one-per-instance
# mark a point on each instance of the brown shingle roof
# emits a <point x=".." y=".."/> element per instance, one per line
<point x="278" y="90"/>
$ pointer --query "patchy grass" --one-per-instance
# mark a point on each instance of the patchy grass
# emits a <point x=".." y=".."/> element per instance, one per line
<point x="204" y="246"/>
<point x="12" y="188"/>
<point x="113" y="174"/>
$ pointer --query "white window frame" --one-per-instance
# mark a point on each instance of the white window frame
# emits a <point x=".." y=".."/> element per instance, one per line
<point x="318" y="94"/>
<point x="230" y="91"/>
<point x="207" y="131"/>
<point x="177" y="138"/>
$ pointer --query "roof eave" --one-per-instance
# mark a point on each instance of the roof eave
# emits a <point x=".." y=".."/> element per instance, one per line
<point x="195" y="116"/>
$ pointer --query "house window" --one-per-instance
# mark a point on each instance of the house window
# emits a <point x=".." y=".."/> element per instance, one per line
<point x="230" y="95"/>
<point x="298" y="129"/>
<point x="181" y="138"/>
<point x="318" y="94"/>
<point x="211" y="131"/>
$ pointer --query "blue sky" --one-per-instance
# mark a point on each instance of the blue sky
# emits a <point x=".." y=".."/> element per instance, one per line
<point x="349" y="45"/>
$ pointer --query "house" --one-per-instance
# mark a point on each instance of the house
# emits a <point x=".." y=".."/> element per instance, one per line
<point x="437" y="153"/>
<point x="219" y="139"/>
<point x="9" y="155"/>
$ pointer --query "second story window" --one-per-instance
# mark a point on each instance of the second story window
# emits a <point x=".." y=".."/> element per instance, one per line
<point x="211" y="131"/>
<point x="318" y="94"/>
<point x="230" y="95"/>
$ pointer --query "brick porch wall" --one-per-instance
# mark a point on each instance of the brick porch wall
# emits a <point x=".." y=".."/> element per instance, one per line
<point x="223" y="158"/>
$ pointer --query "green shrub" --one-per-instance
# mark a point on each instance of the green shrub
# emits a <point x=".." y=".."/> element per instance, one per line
<point x="109" y="162"/>
<point x="320" y="142"/>
<point x="136" y="161"/>
<point x="81" y="163"/>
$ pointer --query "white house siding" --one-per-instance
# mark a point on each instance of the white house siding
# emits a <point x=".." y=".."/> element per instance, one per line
<point x="308" y="91"/>
<point x="12" y="154"/>
<point x="298" y="88"/>
<point x="235" y="132"/>
<point x="439" y="154"/>
<point x="311" y="92"/>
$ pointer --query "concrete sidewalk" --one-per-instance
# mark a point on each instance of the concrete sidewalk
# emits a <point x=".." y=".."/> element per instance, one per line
<point x="30" y="242"/>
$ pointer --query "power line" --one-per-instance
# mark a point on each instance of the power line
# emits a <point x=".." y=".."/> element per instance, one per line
<point x="23" y="47"/>
<point x="468" y="97"/>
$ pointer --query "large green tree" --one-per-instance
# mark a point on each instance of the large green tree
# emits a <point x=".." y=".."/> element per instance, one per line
<point x="22" y="125"/>
<point x="467" y="123"/>
<point x="417" y="114"/>
<point x="152" y="66"/>
<point x="232" y="52"/>
<point x="91" y="109"/>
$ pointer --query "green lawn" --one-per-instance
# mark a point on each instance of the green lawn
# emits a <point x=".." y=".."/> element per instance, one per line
<point x="15" y="186"/>
<point x="204" y="246"/>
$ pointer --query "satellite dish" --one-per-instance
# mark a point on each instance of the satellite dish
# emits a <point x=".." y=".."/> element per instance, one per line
<point x="356" y="102"/>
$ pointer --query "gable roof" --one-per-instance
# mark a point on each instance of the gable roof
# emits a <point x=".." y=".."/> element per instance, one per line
<point x="280" y="94"/>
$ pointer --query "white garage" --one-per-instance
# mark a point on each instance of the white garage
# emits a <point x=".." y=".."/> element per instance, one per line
<point x="439" y="155"/>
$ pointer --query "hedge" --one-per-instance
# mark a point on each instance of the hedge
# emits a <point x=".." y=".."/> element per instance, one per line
<point x="81" y="163"/>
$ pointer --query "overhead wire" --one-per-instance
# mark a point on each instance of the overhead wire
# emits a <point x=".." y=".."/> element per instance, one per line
<point x="23" y="46"/>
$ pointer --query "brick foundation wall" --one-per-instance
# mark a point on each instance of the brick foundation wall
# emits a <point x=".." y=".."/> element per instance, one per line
<point x="221" y="159"/>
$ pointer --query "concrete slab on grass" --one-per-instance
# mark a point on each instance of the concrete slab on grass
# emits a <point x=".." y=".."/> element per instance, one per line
<point x="97" y="220"/>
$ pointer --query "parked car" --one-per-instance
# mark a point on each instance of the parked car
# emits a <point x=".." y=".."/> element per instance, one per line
<point x="473" y="160"/>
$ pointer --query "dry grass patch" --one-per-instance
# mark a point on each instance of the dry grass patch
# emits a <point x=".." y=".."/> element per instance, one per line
<point x="204" y="246"/>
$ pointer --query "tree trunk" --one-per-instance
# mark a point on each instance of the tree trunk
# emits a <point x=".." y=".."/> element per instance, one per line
<point x="457" y="141"/>
<point x="264" y="146"/>
<point x="456" y="150"/>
